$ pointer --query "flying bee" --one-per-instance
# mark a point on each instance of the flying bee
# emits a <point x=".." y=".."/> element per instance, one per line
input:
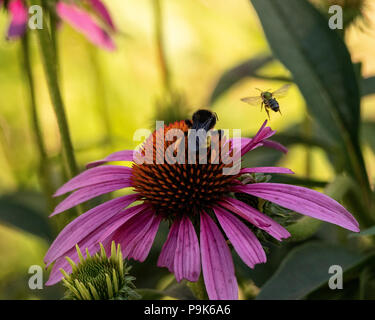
<point x="268" y="99"/>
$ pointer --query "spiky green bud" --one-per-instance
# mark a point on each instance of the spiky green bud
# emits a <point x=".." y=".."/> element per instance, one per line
<point x="99" y="277"/>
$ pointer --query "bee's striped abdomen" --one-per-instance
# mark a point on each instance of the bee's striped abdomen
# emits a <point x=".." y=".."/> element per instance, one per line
<point x="273" y="104"/>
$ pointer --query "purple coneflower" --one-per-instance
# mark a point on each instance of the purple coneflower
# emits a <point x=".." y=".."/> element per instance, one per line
<point x="86" y="23"/>
<point x="196" y="199"/>
<point x="90" y="17"/>
<point x="19" y="18"/>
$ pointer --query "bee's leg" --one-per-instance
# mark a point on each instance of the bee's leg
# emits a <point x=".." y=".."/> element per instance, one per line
<point x="268" y="113"/>
<point x="280" y="112"/>
<point x="261" y="106"/>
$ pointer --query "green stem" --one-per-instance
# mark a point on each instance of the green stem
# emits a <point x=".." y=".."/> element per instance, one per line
<point x="50" y="68"/>
<point x="49" y="58"/>
<point x="54" y="38"/>
<point x="44" y="165"/>
<point x="8" y="157"/>
<point x="159" y="39"/>
<point x="198" y="288"/>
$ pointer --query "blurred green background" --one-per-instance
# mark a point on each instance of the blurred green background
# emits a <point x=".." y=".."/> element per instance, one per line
<point x="108" y="95"/>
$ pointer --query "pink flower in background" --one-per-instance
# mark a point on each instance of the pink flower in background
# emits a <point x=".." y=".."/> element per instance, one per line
<point x="18" y="20"/>
<point x="86" y="23"/>
<point x="101" y="10"/>
<point x="192" y="198"/>
<point x="95" y="25"/>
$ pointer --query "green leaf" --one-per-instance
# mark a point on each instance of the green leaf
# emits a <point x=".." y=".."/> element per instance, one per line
<point x="237" y="73"/>
<point x="305" y="269"/>
<point x="297" y="134"/>
<point x="287" y="139"/>
<point x="303" y="229"/>
<point x="368" y="133"/>
<point x="368" y="232"/>
<point x="151" y="294"/>
<point x="339" y="187"/>
<point x="272" y="78"/>
<point x="368" y="86"/>
<point x="12" y="287"/>
<point x="175" y="290"/>
<point x="299" y="181"/>
<point x="318" y="60"/>
<point x="367" y="284"/>
<point x="264" y="271"/>
<point x="23" y="216"/>
<point x="180" y="291"/>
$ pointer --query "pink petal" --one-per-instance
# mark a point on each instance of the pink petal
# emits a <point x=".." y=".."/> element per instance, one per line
<point x="243" y="240"/>
<point x="246" y="142"/>
<point x="19" y="18"/>
<point x="308" y="202"/>
<point x="263" y="134"/>
<point x="187" y="263"/>
<point x="266" y="170"/>
<point x="101" y="10"/>
<point x="217" y="264"/>
<point x="94" y="176"/>
<point x="141" y="250"/>
<point x="137" y="235"/>
<point x="255" y="217"/>
<point x="80" y="227"/>
<point x="101" y="234"/>
<point x="275" y="145"/>
<point x="166" y="258"/>
<point x="89" y="192"/>
<point x="83" y="22"/>
<point x="124" y="155"/>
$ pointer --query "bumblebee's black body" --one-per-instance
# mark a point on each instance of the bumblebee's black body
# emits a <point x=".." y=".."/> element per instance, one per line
<point x="202" y="119"/>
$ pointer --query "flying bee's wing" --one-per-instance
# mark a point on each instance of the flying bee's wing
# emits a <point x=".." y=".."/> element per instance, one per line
<point x="281" y="93"/>
<point x="254" y="101"/>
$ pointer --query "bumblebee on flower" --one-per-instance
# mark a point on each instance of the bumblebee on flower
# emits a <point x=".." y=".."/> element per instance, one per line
<point x="198" y="201"/>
